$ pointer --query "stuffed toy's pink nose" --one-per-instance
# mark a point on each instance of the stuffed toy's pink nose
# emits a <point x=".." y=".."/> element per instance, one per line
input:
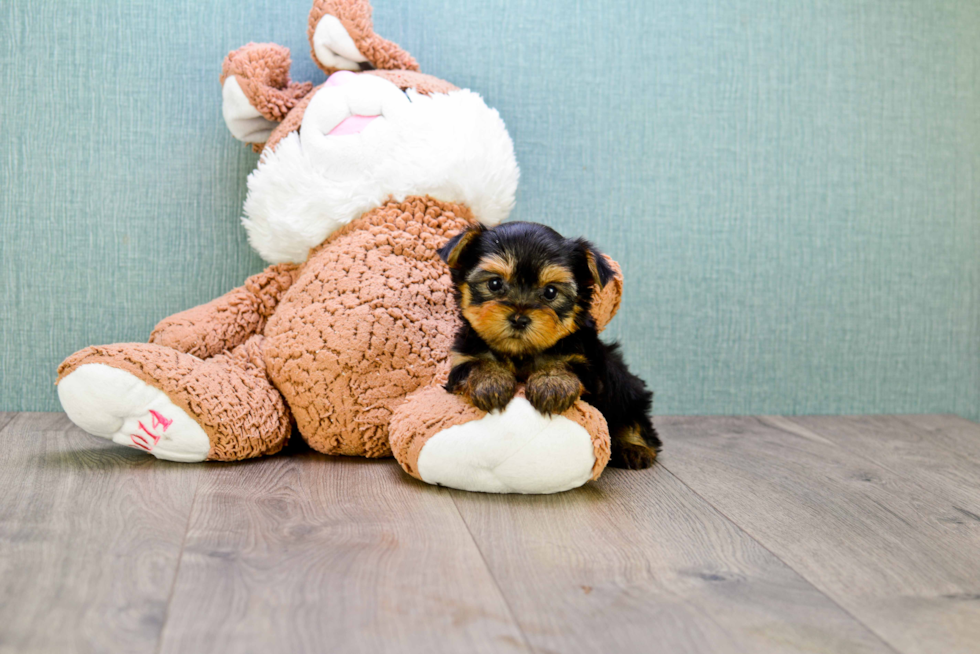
<point x="340" y="77"/>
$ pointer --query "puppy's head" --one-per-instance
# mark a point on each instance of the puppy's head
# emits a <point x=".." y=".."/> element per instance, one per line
<point x="523" y="286"/>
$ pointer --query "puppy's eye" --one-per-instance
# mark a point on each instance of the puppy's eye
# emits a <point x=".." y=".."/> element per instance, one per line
<point x="550" y="292"/>
<point x="495" y="285"/>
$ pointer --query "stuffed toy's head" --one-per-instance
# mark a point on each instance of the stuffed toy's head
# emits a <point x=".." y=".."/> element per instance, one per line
<point x="333" y="152"/>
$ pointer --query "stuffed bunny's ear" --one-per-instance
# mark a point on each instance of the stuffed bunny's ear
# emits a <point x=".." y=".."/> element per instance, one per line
<point x="342" y="37"/>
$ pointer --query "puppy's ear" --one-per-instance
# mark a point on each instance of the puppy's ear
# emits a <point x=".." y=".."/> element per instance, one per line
<point x="596" y="261"/>
<point x="453" y="250"/>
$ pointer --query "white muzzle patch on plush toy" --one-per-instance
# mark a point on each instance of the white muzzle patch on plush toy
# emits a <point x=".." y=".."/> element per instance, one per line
<point x="363" y="141"/>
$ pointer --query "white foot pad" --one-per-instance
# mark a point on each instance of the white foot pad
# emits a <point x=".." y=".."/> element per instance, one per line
<point x="113" y="404"/>
<point x="517" y="450"/>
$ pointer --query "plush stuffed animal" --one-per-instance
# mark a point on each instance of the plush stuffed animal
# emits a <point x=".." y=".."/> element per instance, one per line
<point x="346" y="335"/>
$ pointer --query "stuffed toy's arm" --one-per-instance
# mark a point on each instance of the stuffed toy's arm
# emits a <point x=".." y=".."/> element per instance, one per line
<point x="227" y="321"/>
<point x="256" y="91"/>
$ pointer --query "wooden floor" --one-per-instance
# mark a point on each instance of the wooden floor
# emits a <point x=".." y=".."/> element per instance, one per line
<point x="756" y="534"/>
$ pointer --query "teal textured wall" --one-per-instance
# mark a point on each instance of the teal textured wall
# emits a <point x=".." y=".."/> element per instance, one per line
<point x="793" y="188"/>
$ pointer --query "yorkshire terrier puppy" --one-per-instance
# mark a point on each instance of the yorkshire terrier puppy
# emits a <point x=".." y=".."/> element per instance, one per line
<point x="524" y="293"/>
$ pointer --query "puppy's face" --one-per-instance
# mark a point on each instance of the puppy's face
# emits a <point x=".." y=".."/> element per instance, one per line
<point x="522" y="286"/>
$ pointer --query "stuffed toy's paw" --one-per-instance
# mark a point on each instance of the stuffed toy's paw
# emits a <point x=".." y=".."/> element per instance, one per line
<point x="442" y="439"/>
<point x="173" y="405"/>
<point x="117" y="405"/>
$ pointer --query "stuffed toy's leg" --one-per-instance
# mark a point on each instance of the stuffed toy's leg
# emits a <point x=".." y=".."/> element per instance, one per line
<point x="197" y="391"/>
<point x="442" y="439"/>
<point x="174" y="405"/>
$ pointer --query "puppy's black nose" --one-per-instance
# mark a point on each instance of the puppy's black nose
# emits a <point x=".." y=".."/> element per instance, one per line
<point x="519" y="321"/>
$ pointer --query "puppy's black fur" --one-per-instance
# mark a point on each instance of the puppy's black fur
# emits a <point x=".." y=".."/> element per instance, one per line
<point x="524" y="294"/>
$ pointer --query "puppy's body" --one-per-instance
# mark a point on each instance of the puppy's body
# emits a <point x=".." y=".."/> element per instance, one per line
<point x="525" y="292"/>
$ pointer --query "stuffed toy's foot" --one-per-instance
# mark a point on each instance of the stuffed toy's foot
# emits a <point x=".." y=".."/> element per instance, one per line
<point x="174" y="405"/>
<point x="114" y="404"/>
<point x="441" y="439"/>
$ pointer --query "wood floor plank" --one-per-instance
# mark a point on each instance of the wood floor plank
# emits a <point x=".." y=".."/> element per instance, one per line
<point x="951" y="432"/>
<point x="90" y="537"/>
<point x="307" y="553"/>
<point x="637" y="562"/>
<point x="5" y="417"/>
<point x="908" y="451"/>
<point x="864" y="535"/>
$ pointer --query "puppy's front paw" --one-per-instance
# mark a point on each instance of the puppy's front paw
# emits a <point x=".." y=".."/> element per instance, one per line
<point x="491" y="388"/>
<point x="553" y="392"/>
<point x="632" y="456"/>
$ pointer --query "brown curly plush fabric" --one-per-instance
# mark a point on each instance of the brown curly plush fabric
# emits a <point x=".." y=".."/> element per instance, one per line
<point x="292" y="123"/>
<point x="227" y="321"/>
<point x="430" y="410"/>
<point x="369" y="319"/>
<point x="229" y="395"/>
<point x="262" y="71"/>
<point x="355" y="16"/>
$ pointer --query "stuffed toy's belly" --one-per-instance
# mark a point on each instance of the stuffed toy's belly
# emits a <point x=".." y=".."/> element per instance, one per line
<point x="369" y="320"/>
